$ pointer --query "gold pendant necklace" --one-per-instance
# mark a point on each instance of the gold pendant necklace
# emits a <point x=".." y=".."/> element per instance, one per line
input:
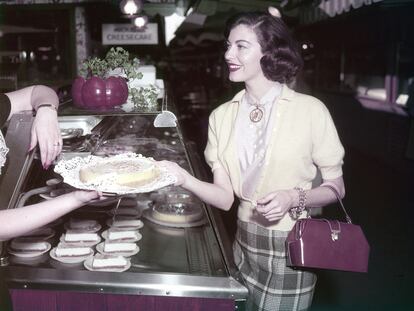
<point x="256" y="114"/>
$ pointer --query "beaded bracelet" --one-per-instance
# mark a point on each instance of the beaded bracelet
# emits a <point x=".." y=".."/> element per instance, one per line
<point x="296" y="211"/>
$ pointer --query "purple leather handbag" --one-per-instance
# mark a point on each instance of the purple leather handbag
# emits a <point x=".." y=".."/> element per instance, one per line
<point x="328" y="244"/>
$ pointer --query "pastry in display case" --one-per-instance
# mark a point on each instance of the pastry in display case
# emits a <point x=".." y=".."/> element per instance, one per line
<point x="125" y="249"/>
<point x="69" y="253"/>
<point x="177" y="213"/>
<point x="117" y="235"/>
<point x="107" y="263"/>
<point x="22" y="247"/>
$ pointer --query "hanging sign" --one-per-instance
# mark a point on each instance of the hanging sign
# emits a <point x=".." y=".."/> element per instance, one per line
<point x="125" y="34"/>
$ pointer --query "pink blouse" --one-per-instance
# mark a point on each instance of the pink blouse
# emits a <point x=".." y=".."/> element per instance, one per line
<point x="252" y="138"/>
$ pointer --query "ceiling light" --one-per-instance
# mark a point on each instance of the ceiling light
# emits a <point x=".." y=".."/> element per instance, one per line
<point x="130" y="7"/>
<point x="141" y="21"/>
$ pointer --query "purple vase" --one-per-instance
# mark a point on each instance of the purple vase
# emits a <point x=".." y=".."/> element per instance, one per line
<point x="99" y="93"/>
<point x="93" y="93"/>
<point x="116" y="94"/>
<point x="77" y="91"/>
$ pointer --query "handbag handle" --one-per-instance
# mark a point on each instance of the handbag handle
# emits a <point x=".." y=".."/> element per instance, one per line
<point x="348" y="219"/>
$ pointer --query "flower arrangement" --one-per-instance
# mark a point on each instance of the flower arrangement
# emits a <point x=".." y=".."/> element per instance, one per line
<point x="118" y="62"/>
<point x="145" y="96"/>
<point x="116" y="58"/>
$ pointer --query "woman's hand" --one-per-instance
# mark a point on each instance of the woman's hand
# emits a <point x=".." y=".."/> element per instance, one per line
<point x="84" y="196"/>
<point x="276" y="204"/>
<point x="46" y="133"/>
<point x="175" y="170"/>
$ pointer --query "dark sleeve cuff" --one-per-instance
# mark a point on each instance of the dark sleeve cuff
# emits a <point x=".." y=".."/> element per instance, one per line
<point x="5" y="107"/>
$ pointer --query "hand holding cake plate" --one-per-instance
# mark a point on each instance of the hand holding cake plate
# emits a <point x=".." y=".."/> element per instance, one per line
<point x="120" y="174"/>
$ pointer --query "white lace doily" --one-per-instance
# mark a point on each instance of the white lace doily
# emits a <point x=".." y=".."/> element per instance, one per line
<point x="3" y="151"/>
<point x="69" y="170"/>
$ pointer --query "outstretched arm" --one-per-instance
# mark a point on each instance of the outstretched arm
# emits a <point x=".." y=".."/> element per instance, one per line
<point x="219" y="193"/>
<point x="18" y="221"/>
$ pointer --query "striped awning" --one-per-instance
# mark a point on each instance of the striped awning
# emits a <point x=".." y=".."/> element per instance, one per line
<point x="330" y="8"/>
<point x="336" y="7"/>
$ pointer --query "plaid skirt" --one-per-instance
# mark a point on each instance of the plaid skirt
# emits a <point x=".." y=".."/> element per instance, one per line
<point x="261" y="258"/>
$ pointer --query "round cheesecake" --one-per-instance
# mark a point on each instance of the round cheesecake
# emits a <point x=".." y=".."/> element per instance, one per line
<point x="177" y="213"/>
<point x="123" y="172"/>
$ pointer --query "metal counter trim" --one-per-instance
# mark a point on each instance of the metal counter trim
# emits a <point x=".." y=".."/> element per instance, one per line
<point x="156" y="284"/>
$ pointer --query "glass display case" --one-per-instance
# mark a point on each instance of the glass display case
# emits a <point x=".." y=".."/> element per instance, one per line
<point x="188" y="260"/>
<point x="405" y="73"/>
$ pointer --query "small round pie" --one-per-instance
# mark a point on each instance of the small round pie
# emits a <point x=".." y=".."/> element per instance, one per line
<point x="177" y="213"/>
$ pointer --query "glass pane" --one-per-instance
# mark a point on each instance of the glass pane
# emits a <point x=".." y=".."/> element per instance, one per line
<point x="405" y="73"/>
<point x="35" y="45"/>
<point x="364" y="71"/>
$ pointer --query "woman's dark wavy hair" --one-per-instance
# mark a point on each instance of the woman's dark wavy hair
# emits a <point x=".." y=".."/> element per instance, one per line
<point x="281" y="59"/>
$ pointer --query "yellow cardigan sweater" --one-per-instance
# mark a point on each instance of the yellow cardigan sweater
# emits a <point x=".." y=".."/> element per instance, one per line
<point x="303" y="138"/>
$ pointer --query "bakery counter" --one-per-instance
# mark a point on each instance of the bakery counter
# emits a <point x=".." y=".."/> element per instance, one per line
<point x="187" y="259"/>
<point x="172" y="262"/>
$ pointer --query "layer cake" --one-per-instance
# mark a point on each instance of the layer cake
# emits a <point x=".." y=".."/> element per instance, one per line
<point x="107" y="262"/>
<point x="75" y="236"/>
<point x="119" y="247"/>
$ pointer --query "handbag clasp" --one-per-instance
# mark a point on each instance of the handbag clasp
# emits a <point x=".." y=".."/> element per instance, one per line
<point x="335" y="235"/>
<point x="334" y="232"/>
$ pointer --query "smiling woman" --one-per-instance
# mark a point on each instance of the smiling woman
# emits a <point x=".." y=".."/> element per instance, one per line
<point x="280" y="56"/>
<point x="243" y="53"/>
<point x="265" y="146"/>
